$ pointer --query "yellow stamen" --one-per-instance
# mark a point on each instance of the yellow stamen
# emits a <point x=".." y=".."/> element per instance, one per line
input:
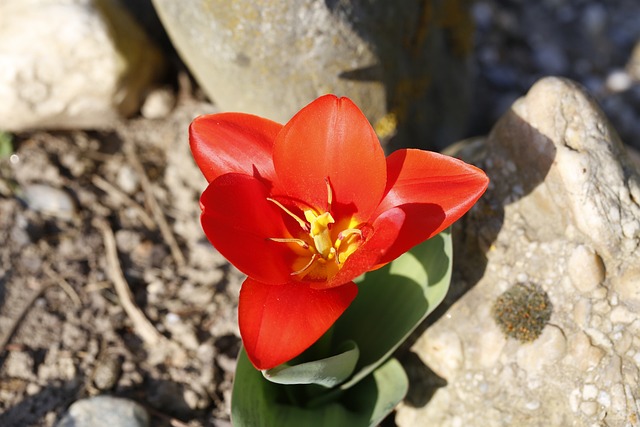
<point x="329" y="194"/>
<point x="306" y="267"/>
<point x="328" y="244"/>
<point x="300" y="242"/>
<point x="299" y="220"/>
<point x="342" y="236"/>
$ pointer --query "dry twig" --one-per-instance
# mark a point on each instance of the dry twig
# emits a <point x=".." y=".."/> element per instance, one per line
<point x="66" y="287"/>
<point x="116" y="193"/>
<point x="13" y="327"/>
<point x="156" y="210"/>
<point x="141" y="324"/>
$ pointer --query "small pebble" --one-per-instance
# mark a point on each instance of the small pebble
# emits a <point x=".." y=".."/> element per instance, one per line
<point x="49" y="200"/>
<point x="107" y="372"/>
<point x="619" y="81"/>
<point x="589" y="392"/>
<point x="586" y="269"/>
<point x="105" y="411"/>
<point x="127" y="179"/>
<point x="158" y="104"/>
<point x="589" y="408"/>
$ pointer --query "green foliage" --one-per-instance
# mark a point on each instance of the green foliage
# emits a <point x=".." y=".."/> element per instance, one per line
<point x="260" y="403"/>
<point x="327" y="372"/>
<point x="6" y="145"/>
<point x="348" y="377"/>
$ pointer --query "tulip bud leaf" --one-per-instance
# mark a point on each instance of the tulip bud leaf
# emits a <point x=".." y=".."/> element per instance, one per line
<point x="327" y="372"/>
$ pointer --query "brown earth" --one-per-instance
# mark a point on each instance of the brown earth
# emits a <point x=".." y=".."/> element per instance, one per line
<point x="127" y="217"/>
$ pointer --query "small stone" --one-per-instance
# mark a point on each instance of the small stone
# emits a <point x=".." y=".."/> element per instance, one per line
<point x="589" y="391"/>
<point x="532" y="406"/>
<point x="49" y="200"/>
<point x="586" y="269"/>
<point x="550" y="347"/>
<point x="589" y="408"/>
<point x="620" y="314"/>
<point x="619" y="81"/>
<point x="158" y="104"/>
<point x="33" y="389"/>
<point x="127" y="179"/>
<point x="107" y="372"/>
<point x="19" y="364"/>
<point x="604" y="399"/>
<point x="105" y="411"/>
<point x="618" y="398"/>
<point x="626" y="285"/>
<point x="582" y="312"/>
<point x="582" y="354"/>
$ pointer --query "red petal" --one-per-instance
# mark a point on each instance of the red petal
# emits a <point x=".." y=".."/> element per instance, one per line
<point x="233" y="142"/>
<point x="385" y="232"/>
<point x="238" y="219"/>
<point x="433" y="190"/>
<point x="331" y="138"/>
<point x="277" y="323"/>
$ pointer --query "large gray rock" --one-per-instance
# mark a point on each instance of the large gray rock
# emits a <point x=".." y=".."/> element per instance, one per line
<point x="404" y="63"/>
<point x="71" y="64"/>
<point x="560" y="224"/>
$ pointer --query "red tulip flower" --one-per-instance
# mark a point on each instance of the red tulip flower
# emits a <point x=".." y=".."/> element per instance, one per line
<point x="305" y="208"/>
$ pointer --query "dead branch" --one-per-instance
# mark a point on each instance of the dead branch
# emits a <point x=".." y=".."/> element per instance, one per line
<point x="141" y="324"/>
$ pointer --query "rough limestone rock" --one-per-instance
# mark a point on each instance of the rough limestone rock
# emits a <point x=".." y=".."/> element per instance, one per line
<point x="404" y="63"/>
<point x="71" y="64"/>
<point x="561" y="218"/>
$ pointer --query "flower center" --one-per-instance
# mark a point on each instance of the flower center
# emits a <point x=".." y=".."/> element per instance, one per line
<point x="324" y="243"/>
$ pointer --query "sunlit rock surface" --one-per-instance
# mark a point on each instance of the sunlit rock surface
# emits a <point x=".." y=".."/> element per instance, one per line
<point x="562" y="214"/>
<point x="403" y="63"/>
<point x="68" y="64"/>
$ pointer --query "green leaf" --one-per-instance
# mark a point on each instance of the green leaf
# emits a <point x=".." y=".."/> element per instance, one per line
<point x="386" y="387"/>
<point x="327" y="372"/>
<point x="257" y="402"/>
<point x="393" y="301"/>
<point x="6" y="145"/>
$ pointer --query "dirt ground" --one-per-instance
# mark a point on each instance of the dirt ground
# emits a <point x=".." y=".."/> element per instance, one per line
<point x="80" y="212"/>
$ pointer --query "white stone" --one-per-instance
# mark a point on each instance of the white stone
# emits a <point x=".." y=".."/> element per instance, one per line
<point x="621" y="314"/>
<point x="589" y="392"/>
<point x="582" y="312"/>
<point x="589" y="408"/>
<point x="550" y="347"/>
<point x="585" y="269"/>
<point x="71" y="64"/>
<point x="619" y="81"/>
<point x="582" y="354"/>
<point x="158" y="104"/>
<point x="604" y="399"/>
